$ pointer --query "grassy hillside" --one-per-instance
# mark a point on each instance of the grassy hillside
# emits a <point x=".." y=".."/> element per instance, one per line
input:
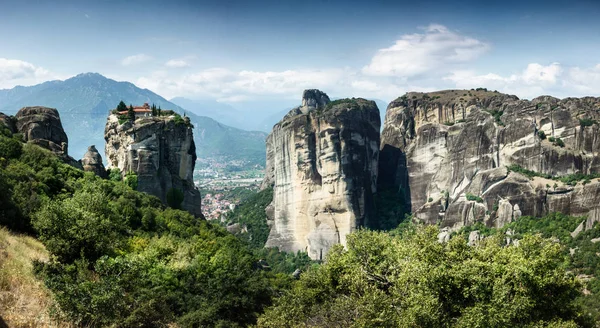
<point x="25" y="301"/>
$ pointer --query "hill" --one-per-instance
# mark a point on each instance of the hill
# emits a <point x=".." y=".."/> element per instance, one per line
<point x="84" y="101"/>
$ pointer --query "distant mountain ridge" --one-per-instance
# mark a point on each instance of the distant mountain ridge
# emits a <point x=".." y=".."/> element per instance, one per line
<point x="84" y="101"/>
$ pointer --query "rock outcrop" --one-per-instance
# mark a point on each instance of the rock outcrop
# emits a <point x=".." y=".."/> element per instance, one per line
<point x="8" y="122"/>
<point x="161" y="152"/>
<point x="42" y="126"/>
<point x="462" y="156"/>
<point x="92" y="162"/>
<point x="322" y="163"/>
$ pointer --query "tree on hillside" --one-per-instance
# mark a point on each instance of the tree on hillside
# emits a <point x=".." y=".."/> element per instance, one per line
<point x="413" y="280"/>
<point x="121" y="107"/>
<point x="131" y="113"/>
<point x="154" y="111"/>
<point x="159" y="110"/>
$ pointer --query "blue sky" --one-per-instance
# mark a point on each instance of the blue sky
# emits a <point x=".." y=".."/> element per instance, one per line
<point x="242" y="52"/>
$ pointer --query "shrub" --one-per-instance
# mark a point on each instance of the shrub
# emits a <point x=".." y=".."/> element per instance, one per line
<point x="472" y="197"/>
<point x="542" y="134"/>
<point x="559" y="142"/>
<point x="115" y="175"/>
<point x="131" y="180"/>
<point x="123" y="118"/>
<point x="10" y="147"/>
<point x="497" y="114"/>
<point x="587" y="122"/>
<point x="372" y="283"/>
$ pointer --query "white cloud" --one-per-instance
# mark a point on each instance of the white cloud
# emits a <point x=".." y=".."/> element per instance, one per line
<point x="535" y="80"/>
<point x="17" y="72"/>
<point x="227" y="85"/>
<point x="419" y="53"/>
<point x="135" y="59"/>
<point x="177" y="63"/>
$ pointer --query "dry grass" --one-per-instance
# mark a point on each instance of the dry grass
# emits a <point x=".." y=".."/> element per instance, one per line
<point x="24" y="300"/>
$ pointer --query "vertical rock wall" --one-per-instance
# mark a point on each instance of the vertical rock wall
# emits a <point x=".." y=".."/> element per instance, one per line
<point x="322" y="163"/>
<point x="161" y="151"/>
<point x="450" y="151"/>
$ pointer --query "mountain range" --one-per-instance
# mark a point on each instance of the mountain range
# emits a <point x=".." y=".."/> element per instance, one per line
<point x="85" y="100"/>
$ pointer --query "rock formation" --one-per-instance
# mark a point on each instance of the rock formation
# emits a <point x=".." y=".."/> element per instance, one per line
<point x="42" y="126"/>
<point x="322" y="163"/>
<point x="8" y="122"/>
<point x="462" y="156"/>
<point x="161" y="152"/>
<point x="92" y="162"/>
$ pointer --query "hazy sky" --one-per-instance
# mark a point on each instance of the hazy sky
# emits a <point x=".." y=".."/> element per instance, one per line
<point x="237" y="51"/>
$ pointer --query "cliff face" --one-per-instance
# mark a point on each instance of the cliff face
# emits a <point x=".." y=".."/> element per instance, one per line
<point x="322" y="163"/>
<point x="42" y="126"/>
<point x="448" y="152"/>
<point x="161" y="152"/>
<point x="92" y="162"/>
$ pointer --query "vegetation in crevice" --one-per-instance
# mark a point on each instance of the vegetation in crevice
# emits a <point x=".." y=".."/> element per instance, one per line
<point x="570" y="179"/>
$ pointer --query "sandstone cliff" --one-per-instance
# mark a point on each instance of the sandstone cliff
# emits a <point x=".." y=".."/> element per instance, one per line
<point x="42" y="126"/>
<point x="450" y="153"/>
<point x="161" y="152"/>
<point x="322" y="163"/>
<point x="92" y="162"/>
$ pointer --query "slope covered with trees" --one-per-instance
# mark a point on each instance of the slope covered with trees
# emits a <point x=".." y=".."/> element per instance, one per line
<point x="119" y="257"/>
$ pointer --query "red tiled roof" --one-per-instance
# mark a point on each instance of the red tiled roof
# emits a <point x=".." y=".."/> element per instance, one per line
<point x="137" y="110"/>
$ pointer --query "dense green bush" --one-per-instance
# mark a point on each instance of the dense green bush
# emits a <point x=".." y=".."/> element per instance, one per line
<point x="542" y="134"/>
<point x="413" y="280"/>
<point x="587" y="122"/>
<point x="131" y="180"/>
<point x="251" y="213"/>
<point x="475" y="198"/>
<point x="119" y="258"/>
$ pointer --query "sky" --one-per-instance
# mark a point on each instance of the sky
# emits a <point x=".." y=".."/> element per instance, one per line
<point x="240" y="52"/>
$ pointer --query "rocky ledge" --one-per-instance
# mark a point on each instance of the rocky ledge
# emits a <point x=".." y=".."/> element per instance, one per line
<point x="161" y="152"/>
<point x="322" y="164"/>
<point x="462" y="156"/>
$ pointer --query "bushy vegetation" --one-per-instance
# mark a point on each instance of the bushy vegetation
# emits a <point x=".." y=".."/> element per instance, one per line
<point x="584" y="258"/>
<point x="118" y="257"/>
<point x="587" y="122"/>
<point x="474" y="198"/>
<point x="497" y="114"/>
<point x="350" y="102"/>
<point x="542" y="135"/>
<point x="251" y="214"/>
<point x="413" y="280"/>
<point x="570" y="179"/>
<point x="557" y="141"/>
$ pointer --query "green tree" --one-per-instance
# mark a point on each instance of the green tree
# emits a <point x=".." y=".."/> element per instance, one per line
<point x="121" y="107"/>
<point x="413" y="280"/>
<point x="154" y="111"/>
<point x="131" y="113"/>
